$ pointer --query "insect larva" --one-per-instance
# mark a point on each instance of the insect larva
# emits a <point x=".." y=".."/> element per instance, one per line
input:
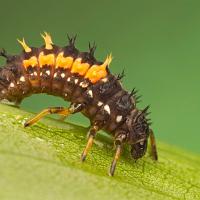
<point x="90" y="87"/>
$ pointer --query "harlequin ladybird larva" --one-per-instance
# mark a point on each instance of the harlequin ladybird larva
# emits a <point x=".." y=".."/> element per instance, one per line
<point x="90" y="87"/>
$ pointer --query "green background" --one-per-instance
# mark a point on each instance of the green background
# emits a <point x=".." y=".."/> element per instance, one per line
<point x="157" y="42"/>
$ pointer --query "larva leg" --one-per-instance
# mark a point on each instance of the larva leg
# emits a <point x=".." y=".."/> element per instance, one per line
<point x="91" y="135"/>
<point x="55" y="110"/>
<point x="153" y="145"/>
<point x="115" y="159"/>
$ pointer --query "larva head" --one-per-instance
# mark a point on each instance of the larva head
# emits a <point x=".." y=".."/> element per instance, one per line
<point x="138" y="128"/>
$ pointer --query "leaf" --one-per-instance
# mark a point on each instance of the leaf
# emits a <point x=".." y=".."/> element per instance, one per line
<point x="43" y="162"/>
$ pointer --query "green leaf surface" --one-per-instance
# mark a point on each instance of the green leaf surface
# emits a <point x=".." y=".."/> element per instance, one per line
<point x="43" y="162"/>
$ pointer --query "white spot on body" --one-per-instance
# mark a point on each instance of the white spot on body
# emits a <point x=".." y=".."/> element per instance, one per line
<point x="48" y="72"/>
<point x="55" y="75"/>
<point x="35" y="73"/>
<point x="105" y="80"/>
<point x="90" y="93"/>
<point x="69" y="79"/>
<point x="76" y="81"/>
<point x="107" y="108"/>
<point x="22" y="79"/>
<point x="12" y="85"/>
<point x="40" y="74"/>
<point x="119" y="118"/>
<point x="123" y="137"/>
<point x="63" y="75"/>
<point x="84" y="84"/>
<point x="142" y="142"/>
<point x="100" y="103"/>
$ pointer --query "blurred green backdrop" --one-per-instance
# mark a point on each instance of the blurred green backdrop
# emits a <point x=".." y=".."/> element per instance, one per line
<point x="157" y="42"/>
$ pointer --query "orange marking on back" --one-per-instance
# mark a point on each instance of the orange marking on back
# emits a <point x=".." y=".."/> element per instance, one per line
<point x="30" y="62"/>
<point x="97" y="72"/>
<point x="64" y="62"/>
<point x="46" y="59"/>
<point x="80" y="68"/>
